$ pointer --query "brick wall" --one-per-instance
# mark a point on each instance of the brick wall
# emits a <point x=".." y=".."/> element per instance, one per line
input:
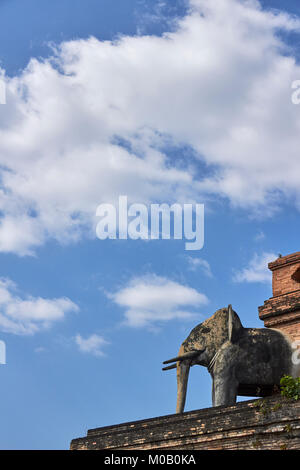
<point x="283" y="270"/>
<point x="271" y="423"/>
<point x="282" y="311"/>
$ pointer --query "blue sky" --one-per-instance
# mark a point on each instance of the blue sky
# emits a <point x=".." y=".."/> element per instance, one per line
<point x="201" y="94"/>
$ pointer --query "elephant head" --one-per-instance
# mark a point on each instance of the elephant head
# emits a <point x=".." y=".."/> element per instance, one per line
<point x="201" y="347"/>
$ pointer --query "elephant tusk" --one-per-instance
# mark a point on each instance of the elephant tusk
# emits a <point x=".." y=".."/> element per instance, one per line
<point x="188" y="355"/>
<point x="173" y="366"/>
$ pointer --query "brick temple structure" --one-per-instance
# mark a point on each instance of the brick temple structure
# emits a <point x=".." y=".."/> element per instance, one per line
<point x="269" y="424"/>
<point x="282" y="311"/>
<point x="273" y="425"/>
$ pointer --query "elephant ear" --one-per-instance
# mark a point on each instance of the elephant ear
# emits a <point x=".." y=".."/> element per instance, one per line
<point x="235" y="326"/>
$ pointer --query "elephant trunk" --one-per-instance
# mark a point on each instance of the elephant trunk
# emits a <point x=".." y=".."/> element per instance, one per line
<point x="183" y="368"/>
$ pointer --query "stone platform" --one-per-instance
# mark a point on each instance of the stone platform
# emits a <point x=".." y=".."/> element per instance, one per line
<point x="271" y="423"/>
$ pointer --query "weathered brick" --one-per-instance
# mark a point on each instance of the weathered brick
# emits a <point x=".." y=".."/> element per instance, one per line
<point x="282" y="311"/>
<point x="271" y="423"/>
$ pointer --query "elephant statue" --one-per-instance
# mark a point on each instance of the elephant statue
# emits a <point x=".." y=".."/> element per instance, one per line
<point x="241" y="361"/>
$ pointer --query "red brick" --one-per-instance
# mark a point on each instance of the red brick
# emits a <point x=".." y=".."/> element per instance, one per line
<point x="269" y="424"/>
<point x="282" y="311"/>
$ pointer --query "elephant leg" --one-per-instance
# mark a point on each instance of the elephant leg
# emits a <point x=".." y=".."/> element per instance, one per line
<point x="224" y="390"/>
<point x="213" y="399"/>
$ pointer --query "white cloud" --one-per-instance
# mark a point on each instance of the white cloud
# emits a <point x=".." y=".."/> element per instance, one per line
<point x="257" y="269"/>
<point x="259" y="236"/>
<point x="26" y="316"/>
<point x="199" y="263"/>
<point x="152" y="299"/>
<point x="91" y="345"/>
<point x="40" y="349"/>
<point x="220" y="82"/>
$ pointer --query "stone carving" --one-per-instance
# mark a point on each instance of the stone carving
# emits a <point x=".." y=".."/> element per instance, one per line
<point x="241" y="361"/>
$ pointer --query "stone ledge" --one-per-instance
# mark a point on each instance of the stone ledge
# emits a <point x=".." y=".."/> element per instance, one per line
<point x="280" y="305"/>
<point x="284" y="260"/>
<point x="245" y="425"/>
